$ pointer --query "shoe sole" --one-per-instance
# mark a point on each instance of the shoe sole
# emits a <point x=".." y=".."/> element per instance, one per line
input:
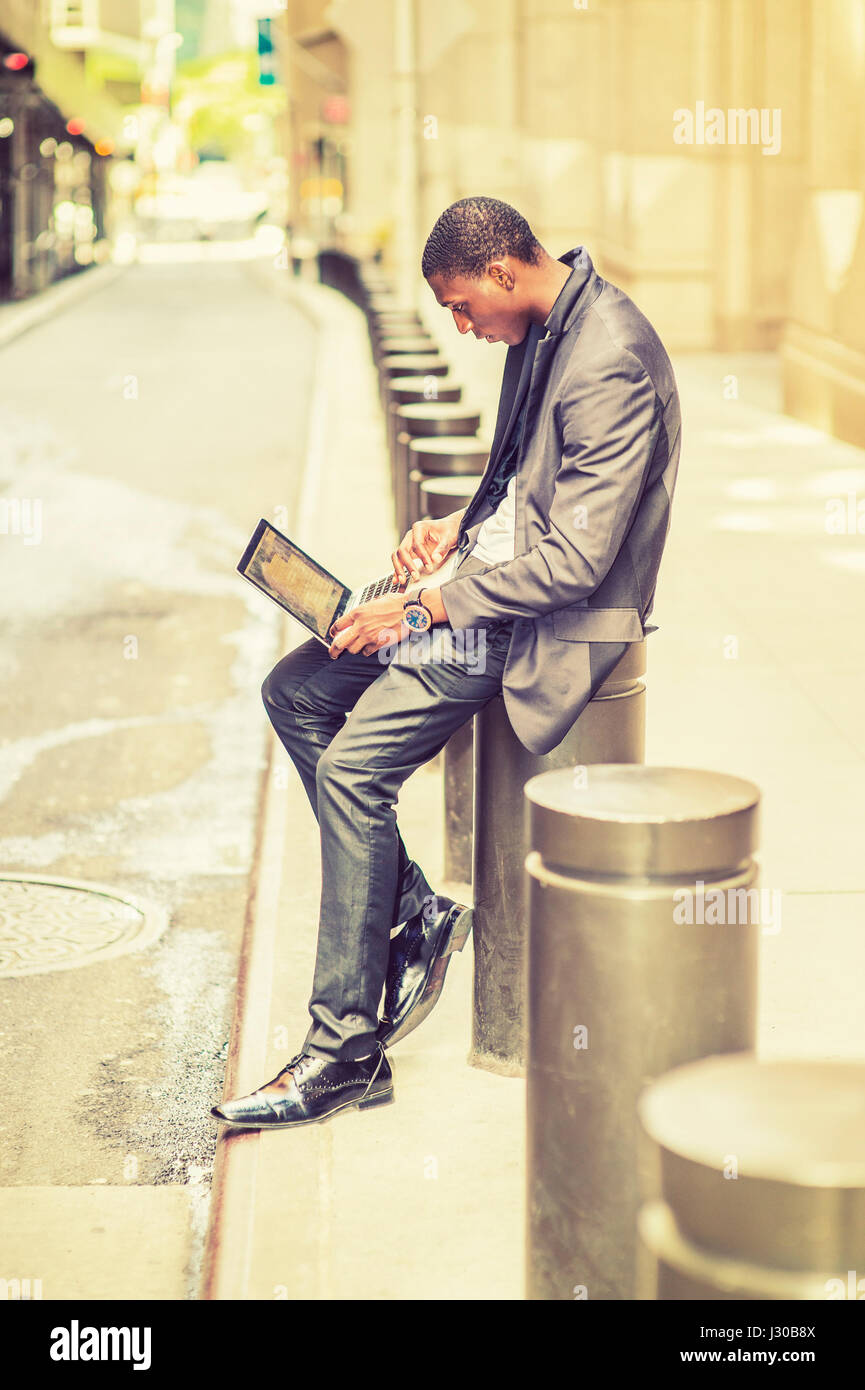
<point x="365" y="1103"/>
<point x="430" y="991"/>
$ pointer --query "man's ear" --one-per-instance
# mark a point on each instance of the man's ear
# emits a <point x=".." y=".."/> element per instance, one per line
<point x="502" y="274"/>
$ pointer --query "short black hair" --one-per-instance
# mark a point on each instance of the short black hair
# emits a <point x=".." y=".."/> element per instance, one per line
<point x="473" y="232"/>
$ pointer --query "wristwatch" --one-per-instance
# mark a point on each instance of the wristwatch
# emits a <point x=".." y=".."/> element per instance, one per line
<point x="416" y="614"/>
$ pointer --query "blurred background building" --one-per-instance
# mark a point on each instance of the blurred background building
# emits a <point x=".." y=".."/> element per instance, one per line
<point x="739" y="234"/>
<point x="108" y="115"/>
<point x="709" y="153"/>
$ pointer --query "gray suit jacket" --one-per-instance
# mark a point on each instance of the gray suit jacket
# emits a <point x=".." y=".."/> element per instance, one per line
<point x="595" y="480"/>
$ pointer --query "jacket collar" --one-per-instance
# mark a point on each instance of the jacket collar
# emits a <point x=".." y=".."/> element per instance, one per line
<point x="531" y="358"/>
<point x="581" y="289"/>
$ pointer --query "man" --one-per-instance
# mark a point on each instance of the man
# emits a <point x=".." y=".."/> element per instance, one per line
<point x="558" y="560"/>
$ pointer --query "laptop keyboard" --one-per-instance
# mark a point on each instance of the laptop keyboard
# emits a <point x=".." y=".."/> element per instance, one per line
<point x="379" y="587"/>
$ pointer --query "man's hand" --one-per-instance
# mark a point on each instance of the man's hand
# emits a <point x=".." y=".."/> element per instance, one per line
<point x="423" y="548"/>
<point x="369" y="626"/>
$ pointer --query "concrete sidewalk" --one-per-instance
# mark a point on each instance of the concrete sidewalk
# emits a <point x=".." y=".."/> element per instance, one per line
<point x="758" y="668"/>
<point x="325" y="1212"/>
<point x="17" y="316"/>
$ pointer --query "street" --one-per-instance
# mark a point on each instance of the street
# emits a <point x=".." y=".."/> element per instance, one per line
<point x="143" y="432"/>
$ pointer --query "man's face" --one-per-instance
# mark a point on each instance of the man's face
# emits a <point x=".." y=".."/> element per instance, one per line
<point x="491" y="307"/>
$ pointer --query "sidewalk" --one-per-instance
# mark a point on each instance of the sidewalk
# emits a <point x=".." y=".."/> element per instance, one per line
<point x="17" y="316"/>
<point x="426" y="1201"/>
<point x="758" y="668"/>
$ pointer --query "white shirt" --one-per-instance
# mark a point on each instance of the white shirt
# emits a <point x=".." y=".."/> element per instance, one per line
<point x="495" y="539"/>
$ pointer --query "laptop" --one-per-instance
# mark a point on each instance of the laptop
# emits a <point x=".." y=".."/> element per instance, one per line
<point x="309" y="592"/>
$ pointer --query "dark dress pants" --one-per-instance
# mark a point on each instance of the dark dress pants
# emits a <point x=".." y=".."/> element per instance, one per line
<point x="355" y="728"/>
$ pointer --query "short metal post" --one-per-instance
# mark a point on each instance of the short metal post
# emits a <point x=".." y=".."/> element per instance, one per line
<point x="390" y="325"/>
<point x="755" y="1174"/>
<point x="380" y="319"/>
<point x="409" y="364"/>
<point x="403" y="342"/>
<point x="627" y="977"/>
<point x="610" y="729"/>
<point x="381" y="294"/>
<point x="448" y="455"/>
<point x="412" y="390"/>
<point x="424" y="420"/>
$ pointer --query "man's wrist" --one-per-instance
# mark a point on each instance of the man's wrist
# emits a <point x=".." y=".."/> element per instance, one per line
<point x="432" y="599"/>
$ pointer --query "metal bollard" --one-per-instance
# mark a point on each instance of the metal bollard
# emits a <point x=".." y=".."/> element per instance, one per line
<point x="373" y="276"/>
<point x="445" y="456"/>
<point x="410" y="364"/>
<point x="421" y="421"/>
<point x="440" y="497"/>
<point x="379" y="317"/>
<point x="412" y="390"/>
<point x="342" y="272"/>
<point x="406" y="342"/>
<point x="758" y="1177"/>
<point x="381" y="328"/>
<point x="384" y="301"/>
<point x="391" y="324"/>
<point x="384" y="308"/>
<point x="625" y="979"/>
<point x="611" y="729"/>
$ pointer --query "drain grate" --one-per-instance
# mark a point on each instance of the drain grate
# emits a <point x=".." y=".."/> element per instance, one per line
<point x="58" y="924"/>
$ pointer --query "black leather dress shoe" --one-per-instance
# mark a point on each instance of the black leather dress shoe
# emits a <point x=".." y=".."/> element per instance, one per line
<point x="419" y="958"/>
<point x="310" y="1089"/>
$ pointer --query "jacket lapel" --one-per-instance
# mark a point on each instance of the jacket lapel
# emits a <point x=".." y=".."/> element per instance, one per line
<point x="515" y="384"/>
<point x="507" y="397"/>
<point x="529" y="347"/>
<point x="528" y="363"/>
<point x="543" y="360"/>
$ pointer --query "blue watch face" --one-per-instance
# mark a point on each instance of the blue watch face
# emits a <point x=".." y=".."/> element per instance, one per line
<point x="417" y="618"/>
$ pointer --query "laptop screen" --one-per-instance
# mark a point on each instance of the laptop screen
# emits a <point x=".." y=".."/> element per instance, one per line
<point x="292" y="579"/>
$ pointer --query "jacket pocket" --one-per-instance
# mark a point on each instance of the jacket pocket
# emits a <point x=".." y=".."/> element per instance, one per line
<point x="580" y="624"/>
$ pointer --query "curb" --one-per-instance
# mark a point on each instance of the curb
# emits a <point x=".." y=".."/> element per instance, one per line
<point x="226" y="1260"/>
<point x="225" y="1270"/>
<point x="17" y="317"/>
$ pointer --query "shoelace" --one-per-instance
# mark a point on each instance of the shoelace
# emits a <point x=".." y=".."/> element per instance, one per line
<point x="301" y="1064"/>
<point x="290" y="1065"/>
<point x="298" y="1064"/>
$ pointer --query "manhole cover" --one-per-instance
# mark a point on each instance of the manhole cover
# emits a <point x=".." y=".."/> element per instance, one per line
<point x="57" y="924"/>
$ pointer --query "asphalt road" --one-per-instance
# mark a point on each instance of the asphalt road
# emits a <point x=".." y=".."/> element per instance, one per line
<point x="152" y="423"/>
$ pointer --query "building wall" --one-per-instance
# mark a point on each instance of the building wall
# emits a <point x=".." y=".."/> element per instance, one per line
<point x="49" y="177"/>
<point x="314" y="66"/>
<point x="823" y="345"/>
<point x="59" y="73"/>
<point x="569" y="110"/>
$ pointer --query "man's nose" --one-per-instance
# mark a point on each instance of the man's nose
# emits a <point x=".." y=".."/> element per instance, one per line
<point x="463" y="322"/>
